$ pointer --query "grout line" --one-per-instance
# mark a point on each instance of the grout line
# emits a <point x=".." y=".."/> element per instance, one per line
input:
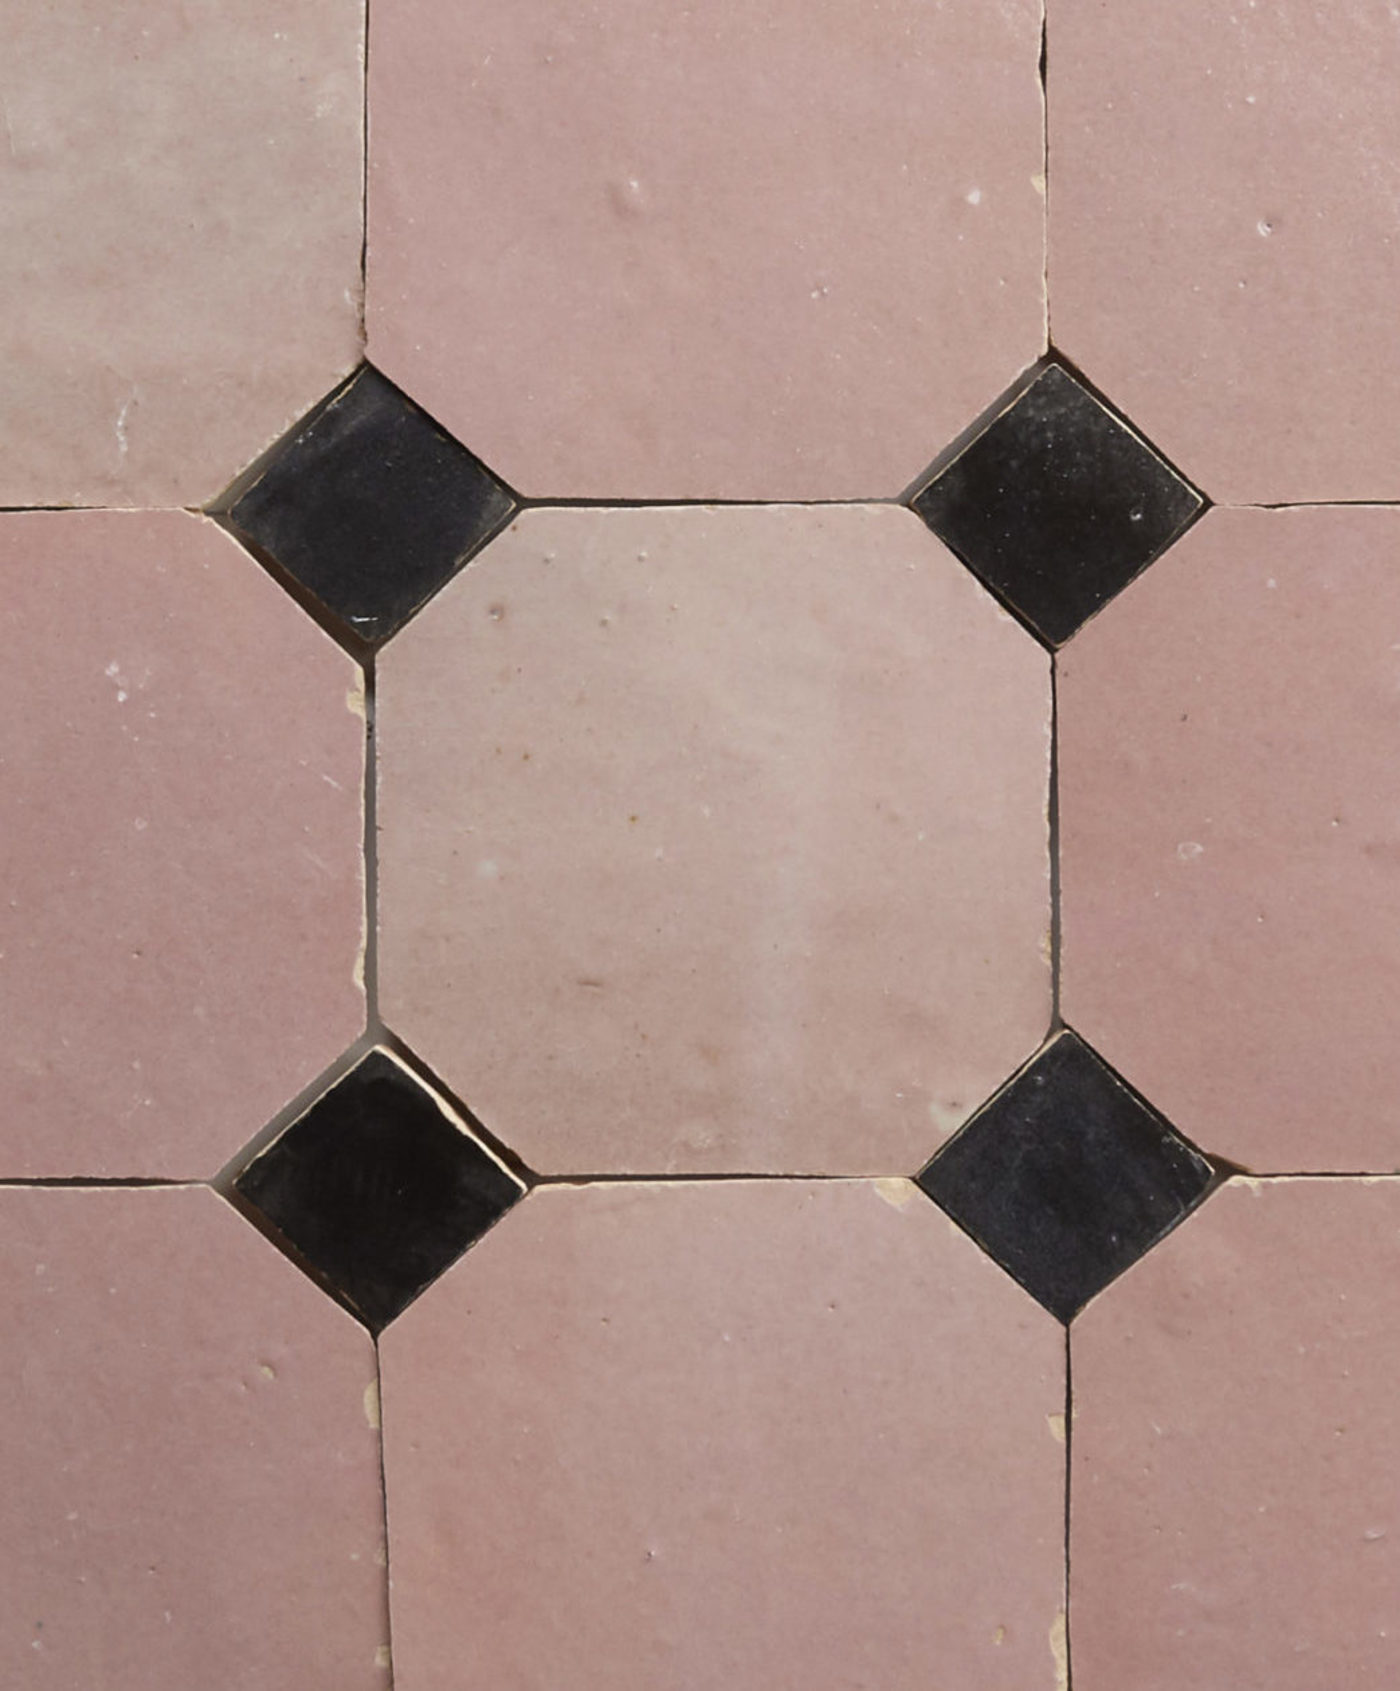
<point x="1053" y="820"/>
<point x="1045" y="165"/>
<point x="364" y="178"/>
<point x="1069" y="1451"/>
<point x="384" y="1504"/>
<point x="370" y="847"/>
<point x="96" y="1182"/>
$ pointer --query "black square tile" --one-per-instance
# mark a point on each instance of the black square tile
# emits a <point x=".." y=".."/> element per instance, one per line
<point x="378" y="1188"/>
<point x="368" y="504"/>
<point x="1057" y="505"/>
<point x="1066" y="1177"/>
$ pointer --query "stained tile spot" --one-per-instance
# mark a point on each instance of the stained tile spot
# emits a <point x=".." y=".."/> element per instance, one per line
<point x="378" y="1187"/>
<point x="369" y="505"/>
<point x="1057" y="505"/>
<point x="1066" y="1178"/>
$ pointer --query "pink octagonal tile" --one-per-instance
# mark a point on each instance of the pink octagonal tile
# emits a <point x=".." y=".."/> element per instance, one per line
<point x="772" y="251"/>
<point x="1223" y="185"/>
<point x="715" y="840"/>
<point x="180" y="234"/>
<point x="181" y="752"/>
<point x="1230" y="837"/>
<point x="780" y="1434"/>
<point x="1234" y="1509"/>
<point x="191" y="1490"/>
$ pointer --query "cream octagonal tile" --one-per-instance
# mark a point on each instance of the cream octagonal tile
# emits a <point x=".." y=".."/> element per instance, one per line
<point x="182" y="756"/>
<point x="714" y="840"/>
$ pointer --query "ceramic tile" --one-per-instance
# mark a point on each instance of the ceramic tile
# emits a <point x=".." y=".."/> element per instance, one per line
<point x="1230" y="885"/>
<point x="1222" y="235"/>
<point x="1057" y="505"/>
<point x="1065" y="1177"/>
<point x="379" y="1186"/>
<point x="179" y="239"/>
<point x="368" y="505"/>
<point x="1233" y="1503"/>
<point x="715" y="840"/>
<point x="182" y="767"/>
<point x="783" y="252"/>
<point x="192" y="1491"/>
<point x="613" y="1462"/>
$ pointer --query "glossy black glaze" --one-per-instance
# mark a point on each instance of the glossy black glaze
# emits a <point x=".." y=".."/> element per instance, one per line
<point x="377" y="1189"/>
<point x="1066" y="1177"/>
<point x="1056" y="505"/>
<point x="369" y="505"/>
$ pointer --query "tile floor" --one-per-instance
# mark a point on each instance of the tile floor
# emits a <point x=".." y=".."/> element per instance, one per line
<point x="700" y="850"/>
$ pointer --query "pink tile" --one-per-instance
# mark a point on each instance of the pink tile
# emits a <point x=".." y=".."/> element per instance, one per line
<point x="191" y="1486"/>
<point x="182" y="762"/>
<point x="1230" y="854"/>
<point x="771" y="1434"/>
<point x="728" y="251"/>
<point x="1235" y="1518"/>
<point x="714" y="840"/>
<point x="1222" y="235"/>
<point x="180" y="198"/>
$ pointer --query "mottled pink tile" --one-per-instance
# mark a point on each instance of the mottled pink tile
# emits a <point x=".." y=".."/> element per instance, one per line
<point x="1230" y="838"/>
<point x="191" y="1489"/>
<point x="1223" y="189"/>
<point x="714" y="840"/>
<point x="1235" y="1515"/>
<point x="778" y="1434"/>
<point x="772" y="251"/>
<point x="180" y="229"/>
<point x="181" y="756"/>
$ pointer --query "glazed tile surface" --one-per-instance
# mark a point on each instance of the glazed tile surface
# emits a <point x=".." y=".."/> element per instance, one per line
<point x="724" y="1434"/>
<point x="1234" y="1497"/>
<point x="737" y="252"/>
<point x="1228" y="836"/>
<point x="715" y="840"/>
<point x="191" y="1480"/>
<point x="179" y="239"/>
<point x="182" y="759"/>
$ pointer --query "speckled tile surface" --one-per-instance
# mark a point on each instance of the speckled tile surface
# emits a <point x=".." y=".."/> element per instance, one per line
<point x="699" y="845"/>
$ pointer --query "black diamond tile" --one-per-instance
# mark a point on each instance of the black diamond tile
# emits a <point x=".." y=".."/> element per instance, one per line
<point x="1066" y="1177"/>
<point x="1057" y="505"/>
<point x="369" y="505"/>
<point x="377" y="1188"/>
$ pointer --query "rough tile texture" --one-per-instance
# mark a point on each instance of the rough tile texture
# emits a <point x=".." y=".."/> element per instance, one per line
<point x="379" y="1186"/>
<point x="1235" y="1447"/>
<point x="738" y="251"/>
<point x="1223" y="243"/>
<point x="191" y="1486"/>
<point x="1065" y="1177"/>
<point x="182" y="765"/>
<point x="1230" y="855"/>
<point x="1057" y="505"/>
<point x="368" y="505"/>
<point x="180" y="191"/>
<point x="715" y="840"/>
<point x="814" y="1445"/>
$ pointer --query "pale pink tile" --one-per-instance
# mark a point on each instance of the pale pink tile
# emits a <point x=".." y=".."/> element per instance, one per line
<point x="181" y="754"/>
<point x="714" y="840"/>
<point x="1234" y="1510"/>
<point x="180" y="229"/>
<point x="191" y="1491"/>
<point x="774" y="251"/>
<point x="1230" y="839"/>
<point x="1223" y="192"/>
<point x="777" y="1434"/>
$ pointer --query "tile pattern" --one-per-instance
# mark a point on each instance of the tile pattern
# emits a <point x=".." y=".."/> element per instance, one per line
<point x="1057" y="504"/>
<point x="717" y="1434"/>
<point x="1066" y="1177"/>
<point x="379" y="1186"/>
<point x="715" y="840"/>
<point x="191" y="1465"/>
<point x="701" y="841"/>
<point x="368" y="505"/>
<point x="182" y="760"/>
